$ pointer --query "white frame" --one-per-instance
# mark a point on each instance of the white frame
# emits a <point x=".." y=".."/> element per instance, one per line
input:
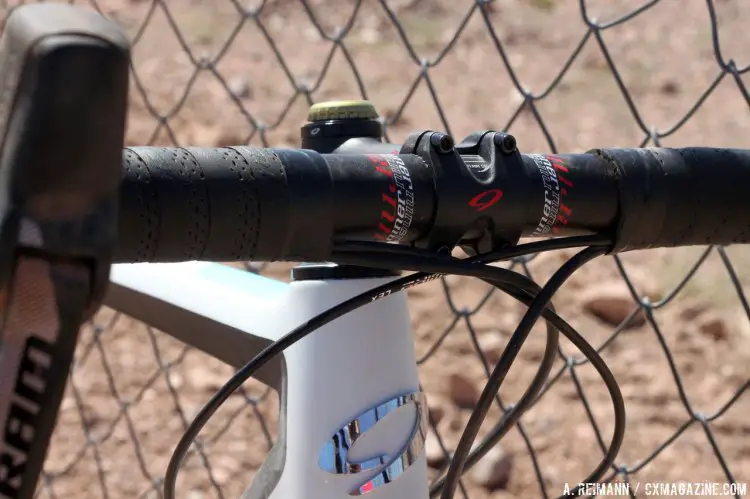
<point x="327" y="381"/>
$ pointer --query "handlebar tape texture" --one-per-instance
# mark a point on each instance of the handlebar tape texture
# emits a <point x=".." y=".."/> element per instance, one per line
<point x="680" y="197"/>
<point x="223" y="204"/>
<point x="241" y="203"/>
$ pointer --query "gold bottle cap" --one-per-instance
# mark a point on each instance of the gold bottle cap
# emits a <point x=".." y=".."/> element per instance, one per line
<point x="342" y="110"/>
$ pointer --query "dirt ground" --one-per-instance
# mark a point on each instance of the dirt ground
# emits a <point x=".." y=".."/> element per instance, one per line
<point x="133" y="389"/>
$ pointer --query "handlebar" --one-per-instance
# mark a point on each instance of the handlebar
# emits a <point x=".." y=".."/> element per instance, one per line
<point x="237" y="203"/>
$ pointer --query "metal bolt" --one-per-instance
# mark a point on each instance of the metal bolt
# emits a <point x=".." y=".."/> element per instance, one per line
<point x="506" y="143"/>
<point x="443" y="143"/>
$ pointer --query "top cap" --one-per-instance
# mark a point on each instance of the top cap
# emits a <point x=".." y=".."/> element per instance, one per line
<point x="342" y="110"/>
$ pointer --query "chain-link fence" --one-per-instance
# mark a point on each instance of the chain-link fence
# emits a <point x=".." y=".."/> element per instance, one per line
<point x="562" y="76"/>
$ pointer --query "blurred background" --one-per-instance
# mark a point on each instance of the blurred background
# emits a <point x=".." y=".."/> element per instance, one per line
<point x="562" y="76"/>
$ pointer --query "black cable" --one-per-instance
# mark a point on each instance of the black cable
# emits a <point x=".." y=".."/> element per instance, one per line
<point x="497" y="377"/>
<point x="537" y="383"/>
<point x="451" y="265"/>
<point x="509" y="281"/>
<point x="510" y="418"/>
<point x="528" y="398"/>
<point x="526" y="297"/>
<point x="545" y="245"/>
<point x="494" y="256"/>
<point x="459" y="267"/>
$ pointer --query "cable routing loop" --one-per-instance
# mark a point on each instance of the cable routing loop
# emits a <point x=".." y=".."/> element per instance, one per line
<point x="425" y="266"/>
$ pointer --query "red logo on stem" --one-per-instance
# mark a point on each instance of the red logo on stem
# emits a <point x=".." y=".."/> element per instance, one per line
<point x="485" y="199"/>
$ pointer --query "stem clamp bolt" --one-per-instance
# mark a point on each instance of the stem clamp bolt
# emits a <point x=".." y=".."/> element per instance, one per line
<point x="443" y="143"/>
<point x="506" y="143"/>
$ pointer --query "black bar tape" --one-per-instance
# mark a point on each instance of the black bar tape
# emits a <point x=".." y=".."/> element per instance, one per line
<point x="578" y="189"/>
<point x="224" y="204"/>
<point x="241" y="203"/>
<point x="680" y="197"/>
<point x="309" y="225"/>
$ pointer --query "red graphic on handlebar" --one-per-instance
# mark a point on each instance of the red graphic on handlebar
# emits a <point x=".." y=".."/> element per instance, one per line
<point x="398" y="201"/>
<point x="565" y="212"/>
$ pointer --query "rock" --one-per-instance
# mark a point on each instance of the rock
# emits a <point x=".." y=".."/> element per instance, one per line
<point x="175" y="379"/>
<point x="205" y="379"/>
<point x="462" y="391"/>
<point x="670" y="87"/>
<point x="436" y="410"/>
<point x="456" y="422"/>
<point x="692" y="309"/>
<point x="515" y="98"/>
<point x="222" y="467"/>
<point x="370" y="35"/>
<point x="68" y="403"/>
<point x="434" y="453"/>
<point x="226" y="136"/>
<point x="507" y="323"/>
<point x="459" y="345"/>
<point x="219" y="135"/>
<point x="713" y="325"/>
<point x="240" y="87"/>
<point x="493" y="470"/>
<point x="90" y="415"/>
<point x="611" y="302"/>
<point x="492" y="346"/>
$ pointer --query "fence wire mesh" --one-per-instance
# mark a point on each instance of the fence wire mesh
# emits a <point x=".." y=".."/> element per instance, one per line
<point x="562" y="76"/>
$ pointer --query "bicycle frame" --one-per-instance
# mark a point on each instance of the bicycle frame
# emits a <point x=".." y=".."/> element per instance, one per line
<point x="335" y="386"/>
